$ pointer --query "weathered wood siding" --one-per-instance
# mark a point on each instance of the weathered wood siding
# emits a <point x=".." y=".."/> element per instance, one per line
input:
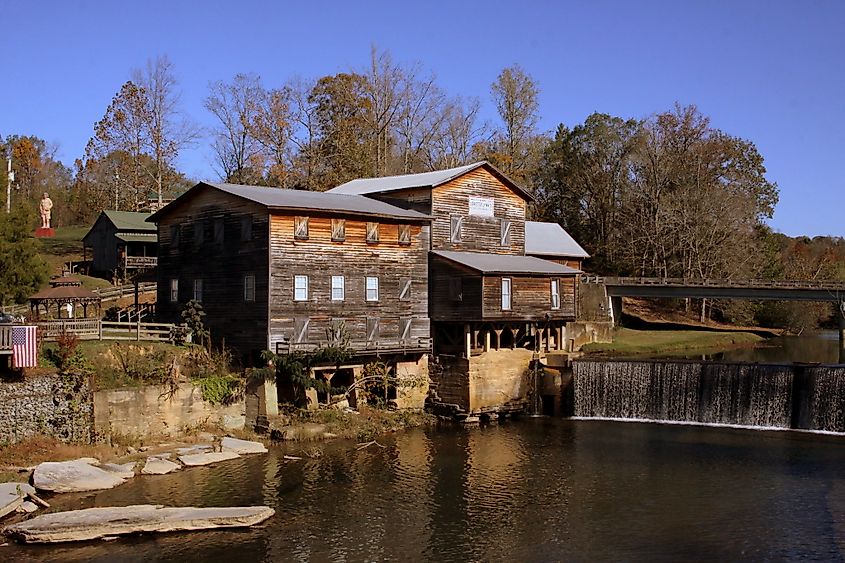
<point x="443" y="305"/>
<point x="480" y="234"/>
<point x="220" y="264"/>
<point x="571" y="262"/>
<point x="320" y="258"/>
<point x="103" y="245"/>
<point x="530" y="298"/>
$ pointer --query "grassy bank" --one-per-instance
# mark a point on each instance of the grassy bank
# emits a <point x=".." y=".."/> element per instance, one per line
<point x="667" y="342"/>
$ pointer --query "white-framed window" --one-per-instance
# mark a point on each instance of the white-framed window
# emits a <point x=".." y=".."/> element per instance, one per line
<point x="300" y="228"/>
<point x="338" y="288"/>
<point x="198" y="290"/>
<point x="506" y="232"/>
<point x="372" y="232"/>
<point x="300" y="288"/>
<point x="506" y="294"/>
<point x="555" y="294"/>
<point x="249" y="288"/>
<point x="456" y="226"/>
<point x="174" y="290"/>
<point x="405" y="234"/>
<point x="338" y="230"/>
<point x="372" y="288"/>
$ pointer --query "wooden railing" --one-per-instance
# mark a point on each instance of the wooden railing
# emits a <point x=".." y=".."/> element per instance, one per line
<point x="112" y="293"/>
<point x="130" y="262"/>
<point x="93" y="329"/>
<point x="381" y="346"/>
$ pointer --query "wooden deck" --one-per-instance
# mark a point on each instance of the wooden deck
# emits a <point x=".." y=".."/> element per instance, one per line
<point x="364" y="348"/>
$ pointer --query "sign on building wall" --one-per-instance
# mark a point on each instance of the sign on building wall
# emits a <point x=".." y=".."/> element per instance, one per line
<point x="481" y="206"/>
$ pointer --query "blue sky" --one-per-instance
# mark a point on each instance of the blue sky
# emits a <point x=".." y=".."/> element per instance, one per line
<point x="772" y="72"/>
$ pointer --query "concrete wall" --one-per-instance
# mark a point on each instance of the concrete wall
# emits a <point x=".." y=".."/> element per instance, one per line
<point x="51" y="405"/>
<point x="593" y="304"/>
<point x="499" y="378"/>
<point x="584" y="332"/>
<point x="412" y="394"/>
<point x="152" y="411"/>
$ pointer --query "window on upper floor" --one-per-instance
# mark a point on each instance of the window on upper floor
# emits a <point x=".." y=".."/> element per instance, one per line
<point x="338" y="288"/>
<point x="506" y="232"/>
<point x="405" y="234"/>
<point x="372" y="232"/>
<point x="456" y="289"/>
<point x="199" y="231"/>
<point x="174" y="290"/>
<point x="405" y="289"/>
<point x="249" y="288"/>
<point x="246" y="228"/>
<point x="372" y="288"/>
<point x="175" y="234"/>
<point x="218" y="230"/>
<point x="300" y="288"/>
<point x="456" y="228"/>
<point x="555" y="293"/>
<point x="300" y="228"/>
<point x="338" y="230"/>
<point x="506" y="294"/>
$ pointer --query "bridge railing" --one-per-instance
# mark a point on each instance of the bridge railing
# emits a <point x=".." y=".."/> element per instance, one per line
<point x="703" y="282"/>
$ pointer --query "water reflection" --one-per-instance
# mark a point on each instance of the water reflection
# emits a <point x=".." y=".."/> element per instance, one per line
<point x="820" y="347"/>
<point x="537" y="489"/>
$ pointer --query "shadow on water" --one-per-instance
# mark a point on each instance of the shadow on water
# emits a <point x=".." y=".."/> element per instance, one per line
<point x="535" y="489"/>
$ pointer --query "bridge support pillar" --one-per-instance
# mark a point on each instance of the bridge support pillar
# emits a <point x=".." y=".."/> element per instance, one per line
<point x="616" y="309"/>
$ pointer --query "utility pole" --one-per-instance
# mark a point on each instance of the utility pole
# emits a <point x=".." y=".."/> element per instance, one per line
<point x="116" y="181"/>
<point x="10" y="177"/>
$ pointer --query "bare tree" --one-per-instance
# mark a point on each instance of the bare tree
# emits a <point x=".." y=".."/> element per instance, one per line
<point x="385" y="88"/>
<point x="272" y="128"/>
<point x="236" y="106"/>
<point x="515" y="95"/>
<point x="422" y="113"/>
<point x="460" y="131"/>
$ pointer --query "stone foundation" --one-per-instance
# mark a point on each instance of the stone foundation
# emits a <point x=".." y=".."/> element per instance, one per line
<point x="579" y="333"/>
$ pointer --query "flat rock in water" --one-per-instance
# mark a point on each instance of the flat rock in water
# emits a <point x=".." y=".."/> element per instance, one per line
<point x="199" y="448"/>
<point x="74" y="476"/>
<point x="206" y="458"/>
<point x="242" y="446"/>
<point x="94" y="523"/>
<point x="158" y="466"/>
<point x="125" y="470"/>
<point x="12" y="495"/>
<point x="28" y="507"/>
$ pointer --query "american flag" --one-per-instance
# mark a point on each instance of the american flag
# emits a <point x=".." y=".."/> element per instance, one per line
<point x="24" y="349"/>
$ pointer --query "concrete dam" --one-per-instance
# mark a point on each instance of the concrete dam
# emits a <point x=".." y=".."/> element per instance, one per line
<point x="806" y="397"/>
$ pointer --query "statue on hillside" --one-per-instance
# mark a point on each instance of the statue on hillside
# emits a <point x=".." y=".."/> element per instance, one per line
<point x="45" y="207"/>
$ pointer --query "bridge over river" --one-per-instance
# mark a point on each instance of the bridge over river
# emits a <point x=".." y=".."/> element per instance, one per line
<point x="798" y="290"/>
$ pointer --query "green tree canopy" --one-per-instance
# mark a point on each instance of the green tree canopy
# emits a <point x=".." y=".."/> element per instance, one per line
<point x="22" y="270"/>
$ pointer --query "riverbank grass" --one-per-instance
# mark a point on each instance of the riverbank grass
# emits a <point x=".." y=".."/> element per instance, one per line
<point x="669" y="342"/>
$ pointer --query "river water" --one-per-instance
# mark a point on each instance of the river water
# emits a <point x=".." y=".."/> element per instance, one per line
<point x="820" y="347"/>
<point x="535" y="489"/>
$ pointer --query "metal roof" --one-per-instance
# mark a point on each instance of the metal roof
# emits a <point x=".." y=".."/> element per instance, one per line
<point x="505" y="263"/>
<point x="364" y="186"/>
<point x="137" y="237"/>
<point x="279" y="198"/>
<point x="129" y="221"/>
<point x="550" y="239"/>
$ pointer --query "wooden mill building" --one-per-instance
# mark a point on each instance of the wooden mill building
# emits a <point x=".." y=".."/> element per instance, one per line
<point x="408" y="266"/>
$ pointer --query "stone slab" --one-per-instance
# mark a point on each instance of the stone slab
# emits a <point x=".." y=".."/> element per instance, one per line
<point x="158" y="466"/>
<point x="73" y="476"/>
<point x="208" y="458"/>
<point x="94" y="523"/>
<point x="124" y="470"/>
<point x="242" y="446"/>
<point x="12" y="495"/>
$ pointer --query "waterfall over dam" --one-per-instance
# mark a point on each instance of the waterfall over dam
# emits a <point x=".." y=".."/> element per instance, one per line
<point x="745" y="394"/>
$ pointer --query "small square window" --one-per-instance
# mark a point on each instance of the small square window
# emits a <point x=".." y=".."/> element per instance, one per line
<point x="457" y="224"/>
<point x="506" y="232"/>
<point x="246" y="228"/>
<point x="249" y="288"/>
<point x="372" y="232"/>
<point x="338" y="288"/>
<point x="372" y="289"/>
<point x="300" y="228"/>
<point x="338" y="230"/>
<point x="405" y="234"/>
<point x="198" y="290"/>
<point x="300" y="288"/>
<point x="506" y="294"/>
<point x="174" y="290"/>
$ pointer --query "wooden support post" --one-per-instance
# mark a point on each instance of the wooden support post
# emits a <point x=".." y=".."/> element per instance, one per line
<point x="468" y="341"/>
<point x="138" y="330"/>
<point x="842" y="332"/>
<point x="498" y="338"/>
<point x="486" y="340"/>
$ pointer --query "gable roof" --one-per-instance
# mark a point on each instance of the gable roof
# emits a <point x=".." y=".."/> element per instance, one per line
<point x="550" y="239"/>
<point x="505" y="263"/>
<point x="364" y="186"/>
<point x="301" y="200"/>
<point x="129" y="221"/>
